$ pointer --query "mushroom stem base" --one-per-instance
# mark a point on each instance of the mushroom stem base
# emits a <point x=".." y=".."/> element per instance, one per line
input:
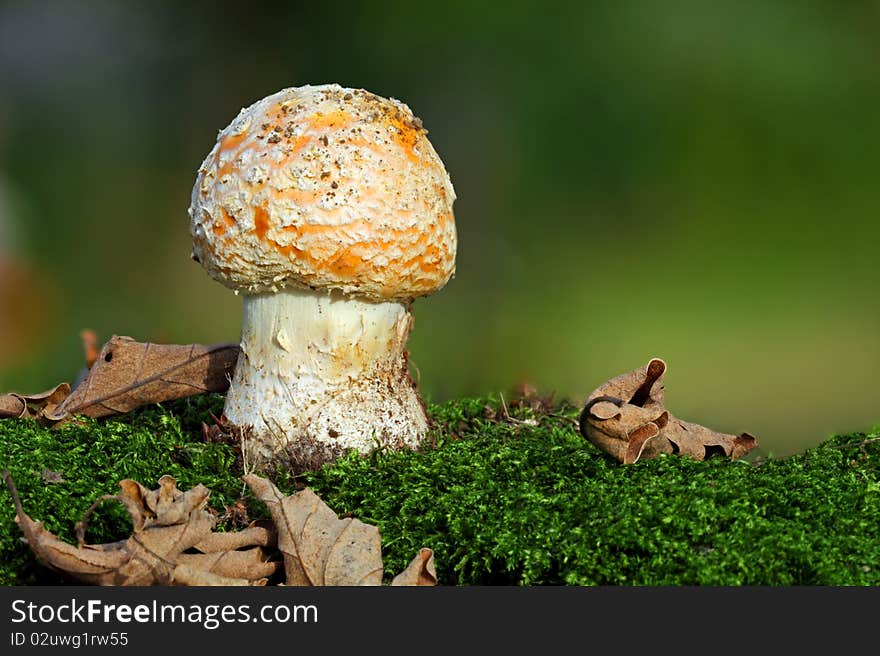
<point x="320" y="374"/>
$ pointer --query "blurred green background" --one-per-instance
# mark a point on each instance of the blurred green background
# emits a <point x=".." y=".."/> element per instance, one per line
<point x="689" y="180"/>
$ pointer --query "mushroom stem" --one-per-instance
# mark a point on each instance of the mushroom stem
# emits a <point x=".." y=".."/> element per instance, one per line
<point x="322" y="373"/>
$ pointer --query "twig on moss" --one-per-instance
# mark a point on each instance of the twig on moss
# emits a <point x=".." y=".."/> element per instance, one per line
<point x="506" y="415"/>
<point x="83" y="525"/>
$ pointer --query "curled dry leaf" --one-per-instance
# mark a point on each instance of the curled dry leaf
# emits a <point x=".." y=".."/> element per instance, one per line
<point x="172" y="543"/>
<point x="163" y="506"/>
<point x="21" y="406"/>
<point x="129" y="374"/>
<point x="420" y="570"/>
<point x="626" y="417"/>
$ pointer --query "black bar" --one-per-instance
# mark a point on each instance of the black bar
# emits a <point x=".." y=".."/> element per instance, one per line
<point x="403" y="620"/>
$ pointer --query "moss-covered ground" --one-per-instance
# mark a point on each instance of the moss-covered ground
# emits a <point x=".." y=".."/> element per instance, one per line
<point x="501" y="501"/>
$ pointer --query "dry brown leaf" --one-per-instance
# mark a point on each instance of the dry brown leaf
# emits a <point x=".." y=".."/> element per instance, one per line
<point x="420" y="570"/>
<point x="171" y="543"/>
<point x="230" y="563"/>
<point x="129" y="374"/>
<point x="163" y="506"/>
<point x="626" y="417"/>
<point x="21" y="406"/>
<point x="318" y="547"/>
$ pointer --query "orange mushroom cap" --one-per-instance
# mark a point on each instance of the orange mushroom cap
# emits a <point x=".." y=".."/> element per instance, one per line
<point x="325" y="187"/>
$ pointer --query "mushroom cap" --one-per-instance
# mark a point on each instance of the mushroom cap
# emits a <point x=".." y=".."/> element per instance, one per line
<point x="325" y="187"/>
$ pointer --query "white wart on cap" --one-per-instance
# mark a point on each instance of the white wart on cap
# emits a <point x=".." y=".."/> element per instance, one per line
<point x="330" y="211"/>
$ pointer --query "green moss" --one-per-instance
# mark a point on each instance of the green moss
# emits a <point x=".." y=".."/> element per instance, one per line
<point x="501" y="503"/>
<point x="92" y="457"/>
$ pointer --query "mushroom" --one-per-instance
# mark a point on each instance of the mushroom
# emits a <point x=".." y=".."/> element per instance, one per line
<point x="329" y="211"/>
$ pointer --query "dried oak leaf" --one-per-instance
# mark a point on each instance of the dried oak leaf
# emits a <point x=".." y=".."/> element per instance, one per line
<point x="319" y="548"/>
<point x="29" y="406"/>
<point x="172" y="543"/>
<point x="129" y="374"/>
<point x="626" y="417"/>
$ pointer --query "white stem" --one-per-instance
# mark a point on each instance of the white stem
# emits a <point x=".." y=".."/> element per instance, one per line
<point x="320" y="374"/>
